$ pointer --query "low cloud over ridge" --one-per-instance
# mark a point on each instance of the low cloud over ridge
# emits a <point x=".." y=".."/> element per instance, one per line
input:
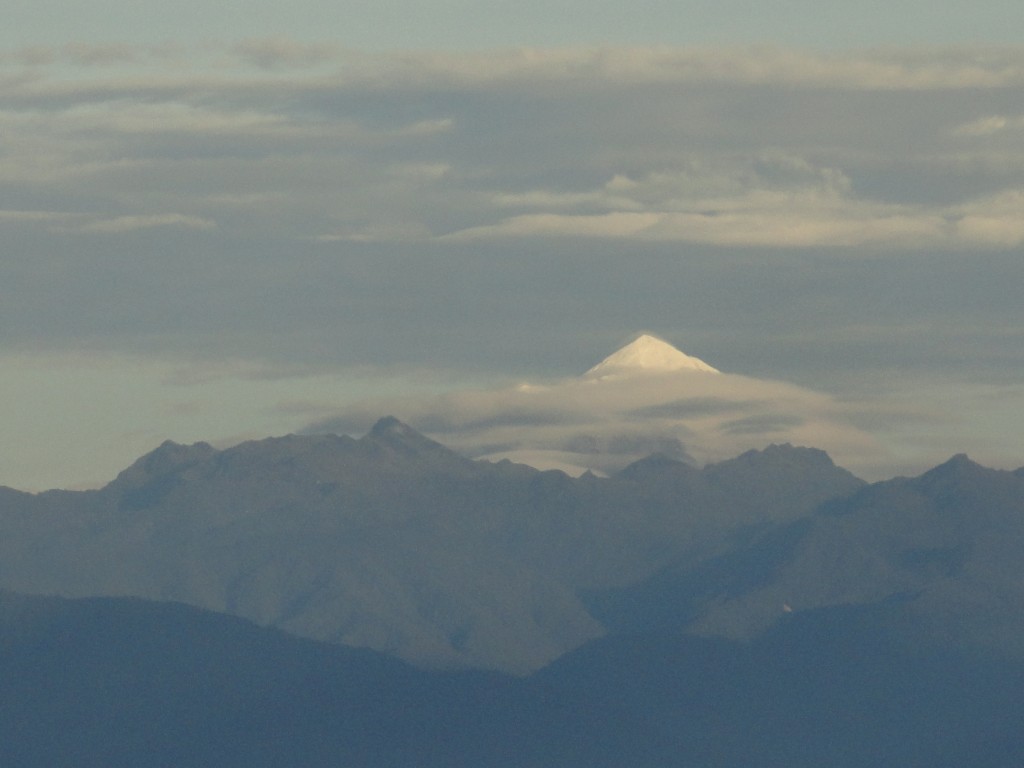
<point x="603" y="423"/>
<point x="850" y="221"/>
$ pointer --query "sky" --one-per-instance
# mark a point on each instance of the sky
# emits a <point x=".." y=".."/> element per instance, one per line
<point x="228" y="221"/>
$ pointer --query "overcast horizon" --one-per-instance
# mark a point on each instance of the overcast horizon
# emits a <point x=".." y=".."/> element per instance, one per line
<point x="231" y="226"/>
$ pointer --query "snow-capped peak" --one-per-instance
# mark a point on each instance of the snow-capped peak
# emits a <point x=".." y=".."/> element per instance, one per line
<point x="647" y="354"/>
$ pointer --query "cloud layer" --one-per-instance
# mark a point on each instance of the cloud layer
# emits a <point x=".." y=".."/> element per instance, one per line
<point x="602" y="424"/>
<point x="848" y="222"/>
<point x="756" y="147"/>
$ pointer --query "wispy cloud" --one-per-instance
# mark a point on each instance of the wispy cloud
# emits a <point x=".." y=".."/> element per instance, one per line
<point x="767" y="200"/>
<point x="602" y="425"/>
<point x="783" y="220"/>
<point x="132" y="223"/>
<point x="507" y="210"/>
<point x="278" y="53"/>
<point x="881" y="69"/>
<point x="49" y="217"/>
<point x="990" y="125"/>
<point x="751" y="147"/>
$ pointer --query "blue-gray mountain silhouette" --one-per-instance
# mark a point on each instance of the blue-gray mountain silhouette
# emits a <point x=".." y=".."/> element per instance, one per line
<point x="768" y="610"/>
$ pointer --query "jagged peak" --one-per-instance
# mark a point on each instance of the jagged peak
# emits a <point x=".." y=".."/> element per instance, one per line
<point x="777" y="450"/>
<point x="168" y="457"/>
<point x="658" y="462"/>
<point x="958" y="465"/>
<point x="786" y="459"/>
<point x="389" y="426"/>
<point x="170" y="454"/>
<point x="397" y="435"/>
<point x="959" y="460"/>
<point x="782" y="452"/>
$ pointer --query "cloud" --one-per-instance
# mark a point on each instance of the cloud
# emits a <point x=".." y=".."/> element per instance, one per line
<point x="768" y="228"/>
<point x="989" y="126"/>
<point x="95" y="55"/>
<point x="750" y="147"/>
<point x="883" y="68"/>
<point x="132" y="223"/>
<point x="762" y="424"/>
<point x="780" y="221"/>
<point x="516" y="210"/>
<point x="997" y="220"/>
<point x="37" y="216"/>
<point x="618" y="224"/>
<point x="604" y="424"/>
<point x="690" y="407"/>
<point x="891" y="69"/>
<point x="767" y="200"/>
<point x="86" y="54"/>
<point x="280" y="52"/>
<point x="610" y="188"/>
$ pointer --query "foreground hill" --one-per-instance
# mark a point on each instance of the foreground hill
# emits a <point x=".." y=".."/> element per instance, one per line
<point x="396" y="543"/>
<point x="107" y="682"/>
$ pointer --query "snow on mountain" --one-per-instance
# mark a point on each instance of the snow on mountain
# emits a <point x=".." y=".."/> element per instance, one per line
<point x="647" y="354"/>
<point x="647" y="397"/>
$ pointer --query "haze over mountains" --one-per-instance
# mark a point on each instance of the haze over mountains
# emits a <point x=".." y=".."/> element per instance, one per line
<point x="647" y="397"/>
<point x="771" y="608"/>
<point x="394" y="542"/>
<point x="322" y="599"/>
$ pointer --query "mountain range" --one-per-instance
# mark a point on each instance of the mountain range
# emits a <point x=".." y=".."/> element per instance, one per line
<point x="325" y="600"/>
<point x="396" y="543"/>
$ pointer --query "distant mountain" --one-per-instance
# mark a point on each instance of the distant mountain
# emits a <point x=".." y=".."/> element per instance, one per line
<point x="394" y="542"/>
<point x="942" y="550"/>
<point x="770" y="610"/>
<point x="947" y="543"/>
<point x="647" y="354"/>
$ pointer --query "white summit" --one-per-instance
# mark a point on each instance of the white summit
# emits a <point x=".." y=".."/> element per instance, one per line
<point x="647" y="355"/>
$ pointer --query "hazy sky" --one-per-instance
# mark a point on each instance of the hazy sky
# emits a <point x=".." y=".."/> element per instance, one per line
<point x="480" y="24"/>
<point x="231" y="220"/>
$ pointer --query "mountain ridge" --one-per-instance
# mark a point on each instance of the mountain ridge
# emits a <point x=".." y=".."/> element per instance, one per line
<point x="390" y="541"/>
<point x="394" y="542"/>
<point x="326" y="600"/>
